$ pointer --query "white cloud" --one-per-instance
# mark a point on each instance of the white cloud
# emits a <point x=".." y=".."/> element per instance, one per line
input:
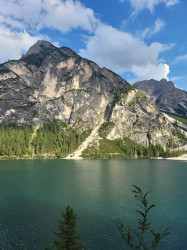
<point x="176" y="78"/>
<point x="67" y="15"/>
<point x="139" y="5"/>
<point x="56" y="14"/>
<point x="120" y="52"/>
<point x="21" y="22"/>
<point x="150" y="71"/>
<point x="12" y="43"/>
<point x="179" y="59"/>
<point x="172" y="2"/>
<point x="149" y="31"/>
<point x="109" y="47"/>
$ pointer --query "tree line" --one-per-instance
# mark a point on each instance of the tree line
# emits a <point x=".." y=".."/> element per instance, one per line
<point x="59" y="139"/>
<point x="14" y="140"/>
<point x="51" y="138"/>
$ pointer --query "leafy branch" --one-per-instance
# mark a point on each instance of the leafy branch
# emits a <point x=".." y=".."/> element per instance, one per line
<point x="135" y="239"/>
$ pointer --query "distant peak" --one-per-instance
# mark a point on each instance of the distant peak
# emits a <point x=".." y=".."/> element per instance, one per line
<point x="43" y="43"/>
<point x="39" y="46"/>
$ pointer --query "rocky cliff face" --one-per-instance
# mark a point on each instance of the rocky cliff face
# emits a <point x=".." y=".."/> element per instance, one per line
<point x="165" y="95"/>
<point x="55" y="83"/>
<point x="50" y="83"/>
<point x="136" y="116"/>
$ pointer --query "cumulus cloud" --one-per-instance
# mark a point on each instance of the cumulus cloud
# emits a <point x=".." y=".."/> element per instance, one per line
<point x="13" y="43"/>
<point x="179" y="59"/>
<point x="120" y="52"/>
<point x="149" y="31"/>
<point x="22" y="21"/>
<point x="139" y="5"/>
<point x="39" y="14"/>
<point x="150" y="71"/>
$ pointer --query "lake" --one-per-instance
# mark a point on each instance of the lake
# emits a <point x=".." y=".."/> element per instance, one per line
<point x="34" y="192"/>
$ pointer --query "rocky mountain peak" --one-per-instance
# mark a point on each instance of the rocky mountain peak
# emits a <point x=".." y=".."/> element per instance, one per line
<point x="43" y="53"/>
<point x="165" y="95"/>
<point x="39" y="46"/>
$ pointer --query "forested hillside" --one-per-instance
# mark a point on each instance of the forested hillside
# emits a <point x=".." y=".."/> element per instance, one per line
<point x="55" y="139"/>
<point x="14" y="140"/>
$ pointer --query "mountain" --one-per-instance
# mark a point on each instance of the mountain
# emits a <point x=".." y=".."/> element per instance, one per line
<point x="55" y="84"/>
<point x="165" y="95"/>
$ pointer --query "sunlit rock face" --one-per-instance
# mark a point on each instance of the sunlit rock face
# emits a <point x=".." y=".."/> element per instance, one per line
<point x="50" y="83"/>
<point x="137" y="117"/>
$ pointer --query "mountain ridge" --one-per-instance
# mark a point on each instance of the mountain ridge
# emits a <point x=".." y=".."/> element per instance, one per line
<point x="165" y="95"/>
<point x="55" y="84"/>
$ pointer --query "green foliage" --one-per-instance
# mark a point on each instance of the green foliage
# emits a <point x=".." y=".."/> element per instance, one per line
<point x="118" y="96"/>
<point x="127" y="149"/>
<point x="68" y="239"/>
<point x="130" y="148"/>
<point x="105" y="128"/>
<point x="14" y="140"/>
<point x="123" y="91"/>
<point x="55" y="139"/>
<point x="136" y="239"/>
<point x="107" y="149"/>
<point x="177" y="132"/>
<point x="171" y="142"/>
<point x="128" y="89"/>
<point x="118" y="148"/>
<point x="58" y="138"/>
<point x="177" y="117"/>
<point x="141" y="98"/>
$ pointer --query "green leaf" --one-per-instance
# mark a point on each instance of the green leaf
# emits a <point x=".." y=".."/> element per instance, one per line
<point x="147" y="210"/>
<point x="141" y="213"/>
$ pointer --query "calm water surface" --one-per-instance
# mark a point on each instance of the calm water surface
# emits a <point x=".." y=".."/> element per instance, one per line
<point x="33" y="193"/>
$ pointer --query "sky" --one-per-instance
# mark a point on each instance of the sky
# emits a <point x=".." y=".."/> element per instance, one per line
<point x="137" y="39"/>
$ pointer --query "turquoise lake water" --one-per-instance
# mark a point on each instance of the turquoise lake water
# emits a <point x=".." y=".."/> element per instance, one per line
<point x="33" y="193"/>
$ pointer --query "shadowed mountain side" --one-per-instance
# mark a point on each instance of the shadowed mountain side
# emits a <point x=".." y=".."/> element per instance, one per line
<point x="165" y="95"/>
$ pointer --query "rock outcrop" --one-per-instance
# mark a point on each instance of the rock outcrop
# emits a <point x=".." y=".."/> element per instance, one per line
<point x="137" y="117"/>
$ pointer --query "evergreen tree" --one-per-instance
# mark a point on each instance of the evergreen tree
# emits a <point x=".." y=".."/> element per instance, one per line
<point x="68" y="239"/>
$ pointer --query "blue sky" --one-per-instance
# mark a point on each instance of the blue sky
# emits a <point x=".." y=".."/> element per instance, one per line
<point x="138" y="39"/>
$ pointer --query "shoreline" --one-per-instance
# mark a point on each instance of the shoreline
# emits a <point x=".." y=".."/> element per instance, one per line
<point x="178" y="158"/>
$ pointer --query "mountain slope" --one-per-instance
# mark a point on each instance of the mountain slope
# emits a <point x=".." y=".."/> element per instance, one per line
<point x="50" y="83"/>
<point x="55" y="83"/>
<point x="165" y="95"/>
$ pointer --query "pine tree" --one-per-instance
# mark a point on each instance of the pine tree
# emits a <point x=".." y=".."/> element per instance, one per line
<point x="68" y="239"/>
